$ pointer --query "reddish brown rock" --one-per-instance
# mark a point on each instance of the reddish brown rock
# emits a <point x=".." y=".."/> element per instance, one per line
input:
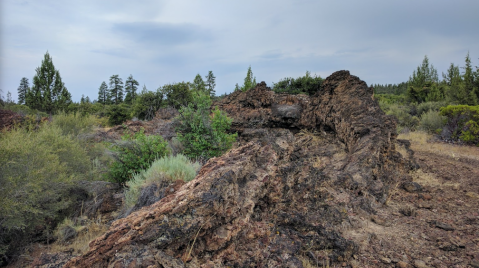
<point x="302" y="165"/>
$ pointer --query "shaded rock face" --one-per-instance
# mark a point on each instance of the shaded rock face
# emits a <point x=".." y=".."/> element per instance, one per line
<point x="302" y="166"/>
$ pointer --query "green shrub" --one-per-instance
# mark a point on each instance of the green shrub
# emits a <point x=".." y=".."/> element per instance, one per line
<point x="404" y="117"/>
<point x="37" y="169"/>
<point x="118" y="114"/>
<point x="306" y="84"/>
<point x="202" y="134"/>
<point x="462" y="122"/>
<point x="135" y="153"/>
<point x="390" y="98"/>
<point x="74" y="124"/>
<point x="429" y="106"/>
<point x="432" y="122"/>
<point x="168" y="168"/>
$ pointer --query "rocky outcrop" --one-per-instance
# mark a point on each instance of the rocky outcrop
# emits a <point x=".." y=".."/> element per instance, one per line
<point x="282" y="198"/>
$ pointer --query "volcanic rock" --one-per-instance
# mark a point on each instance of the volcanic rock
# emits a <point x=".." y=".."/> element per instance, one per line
<point x="301" y="167"/>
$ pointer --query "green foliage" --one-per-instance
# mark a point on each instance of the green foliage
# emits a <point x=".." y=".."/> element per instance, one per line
<point x="306" y="84"/>
<point x="403" y="115"/>
<point x="394" y="89"/>
<point x="462" y="122"/>
<point x="118" y="114"/>
<point x="37" y="169"/>
<point x="199" y="84"/>
<point x="135" y="153"/>
<point x="116" y="89"/>
<point x="202" y="134"/>
<point x="177" y="95"/>
<point x="249" y="81"/>
<point x="429" y="106"/>
<point x="74" y="124"/>
<point x="103" y="93"/>
<point x="48" y="92"/>
<point x="131" y="85"/>
<point x="432" y="122"/>
<point x="210" y="84"/>
<point x="146" y="104"/>
<point x="23" y="90"/>
<point x="168" y="168"/>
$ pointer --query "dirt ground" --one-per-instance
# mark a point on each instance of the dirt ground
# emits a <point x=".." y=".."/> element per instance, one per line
<point x="435" y="224"/>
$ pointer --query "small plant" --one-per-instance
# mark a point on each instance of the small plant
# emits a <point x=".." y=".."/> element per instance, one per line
<point x="136" y="152"/>
<point x="118" y="114"/>
<point x="431" y="121"/>
<point x="201" y="133"/>
<point x="462" y="122"/>
<point x="168" y="168"/>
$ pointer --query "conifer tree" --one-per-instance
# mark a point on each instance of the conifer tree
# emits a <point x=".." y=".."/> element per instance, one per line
<point x="116" y="89"/>
<point x="103" y="93"/>
<point x="211" y="83"/>
<point x="470" y="90"/>
<point x="249" y="80"/>
<point x="131" y="85"/>
<point x="198" y="84"/>
<point x="22" y="90"/>
<point x="48" y="92"/>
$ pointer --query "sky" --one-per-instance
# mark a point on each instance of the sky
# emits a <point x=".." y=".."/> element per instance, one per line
<point x="161" y="42"/>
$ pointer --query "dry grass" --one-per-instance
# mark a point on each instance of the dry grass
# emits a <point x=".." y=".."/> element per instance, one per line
<point x="421" y="141"/>
<point x="80" y="244"/>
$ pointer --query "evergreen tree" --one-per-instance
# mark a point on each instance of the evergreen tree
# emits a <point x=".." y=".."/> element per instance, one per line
<point x="211" y="83"/>
<point x="131" y="85"/>
<point x="237" y="88"/>
<point x="470" y="90"/>
<point x="82" y="100"/>
<point x="103" y="93"/>
<point x="249" y="80"/>
<point x="116" y="89"/>
<point x="422" y="81"/>
<point x="198" y="84"/>
<point x="9" y="98"/>
<point x="48" y="92"/>
<point x="22" y="90"/>
<point x="87" y="99"/>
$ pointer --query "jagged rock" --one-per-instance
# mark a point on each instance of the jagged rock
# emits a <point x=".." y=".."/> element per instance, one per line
<point x="301" y="166"/>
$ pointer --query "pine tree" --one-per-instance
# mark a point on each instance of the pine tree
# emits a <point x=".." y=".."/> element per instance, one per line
<point x="131" y="85"/>
<point x="22" y="90"/>
<point x="249" y="80"/>
<point x="198" y="84"/>
<point x="116" y="89"/>
<point x="211" y="83"/>
<point x="469" y="86"/>
<point x="103" y="93"/>
<point x="82" y="100"/>
<point x="48" y="92"/>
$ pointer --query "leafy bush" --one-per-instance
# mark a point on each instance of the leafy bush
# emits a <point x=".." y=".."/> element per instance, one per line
<point x="36" y="171"/>
<point x="403" y="114"/>
<point x="462" y="122"/>
<point x="202" y="134"/>
<point x="135" y="153"/>
<point x="429" y="106"/>
<point x="390" y="98"/>
<point x="168" y="168"/>
<point x="306" y="84"/>
<point x="118" y="114"/>
<point x="432" y="122"/>
<point x="74" y="124"/>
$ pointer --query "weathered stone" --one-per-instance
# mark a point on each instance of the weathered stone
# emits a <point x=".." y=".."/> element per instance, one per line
<point x="300" y="165"/>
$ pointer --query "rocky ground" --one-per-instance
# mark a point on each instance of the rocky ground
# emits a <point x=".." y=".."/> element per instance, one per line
<point x="317" y="181"/>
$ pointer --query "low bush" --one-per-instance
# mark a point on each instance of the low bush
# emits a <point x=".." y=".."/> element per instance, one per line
<point x="74" y="124"/>
<point x="462" y="123"/>
<point x="135" y="153"/>
<point x="432" y="122"/>
<point x="168" y="168"/>
<point x="118" y="114"/>
<point x="203" y="134"/>
<point x="37" y="169"/>
<point x="306" y="84"/>
<point x="404" y="117"/>
<point x="429" y="106"/>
